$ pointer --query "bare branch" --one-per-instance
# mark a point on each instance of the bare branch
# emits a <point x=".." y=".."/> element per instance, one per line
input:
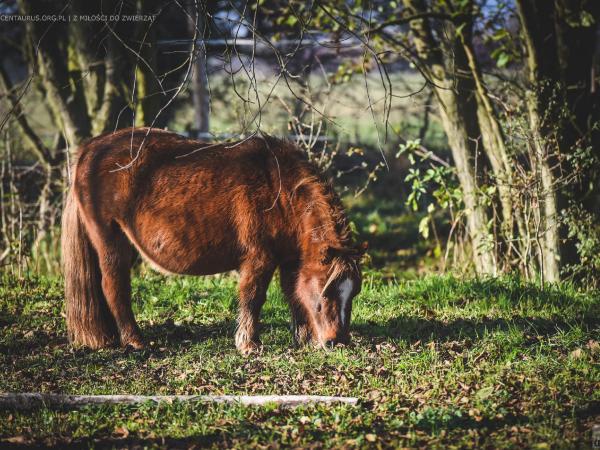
<point x="28" y="401"/>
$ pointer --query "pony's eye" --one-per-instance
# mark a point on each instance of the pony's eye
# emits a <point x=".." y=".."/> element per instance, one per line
<point x="319" y="307"/>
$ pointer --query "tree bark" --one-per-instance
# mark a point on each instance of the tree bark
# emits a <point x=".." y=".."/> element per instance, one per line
<point x="115" y="100"/>
<point x="148" y="88"/>
<point x="543" y="28"/>
<point x="453" y="97"/>
<point x="90" y="56"/>
<point x="31" y="137"/>
<point x="47" y="43"/>
<point x="462" y="154"/>
<point x="495" y="148"/>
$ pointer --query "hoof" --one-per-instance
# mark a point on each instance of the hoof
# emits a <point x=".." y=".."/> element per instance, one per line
<point x="248" y="348"/>
<point x="301" y="335"/>
<point x="135" y="343"/>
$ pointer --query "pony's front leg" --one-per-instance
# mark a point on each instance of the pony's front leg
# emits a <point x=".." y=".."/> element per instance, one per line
<point x="254" y="281"/>
<point x="300" y="328"/>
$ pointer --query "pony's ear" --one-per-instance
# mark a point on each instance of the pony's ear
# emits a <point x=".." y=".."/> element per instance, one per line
<point x="355" y="252"/>
<point x="338" y="267"/>
<point x="363" y="247"/>
<point x="338" y="258"/>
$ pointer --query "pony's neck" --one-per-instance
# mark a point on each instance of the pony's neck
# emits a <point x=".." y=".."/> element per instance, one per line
<point x="320" y="230"/>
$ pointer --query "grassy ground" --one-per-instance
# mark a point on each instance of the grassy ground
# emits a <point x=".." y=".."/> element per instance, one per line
<point x="436" y="362"/>
<point x="396" y="249"/>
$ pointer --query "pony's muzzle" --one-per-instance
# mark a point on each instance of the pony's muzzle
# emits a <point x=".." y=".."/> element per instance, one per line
<point x="332" y="341"/>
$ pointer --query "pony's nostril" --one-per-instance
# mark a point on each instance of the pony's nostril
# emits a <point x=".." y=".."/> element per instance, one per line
<point x="330" y="343"/>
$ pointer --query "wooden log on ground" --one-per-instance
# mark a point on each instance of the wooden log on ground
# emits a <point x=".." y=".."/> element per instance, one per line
<point x="36" y="400"/>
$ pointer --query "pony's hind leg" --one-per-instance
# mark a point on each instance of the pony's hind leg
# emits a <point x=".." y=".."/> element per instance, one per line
<point x="254" y="281"/>
<point x="115" y="255"/>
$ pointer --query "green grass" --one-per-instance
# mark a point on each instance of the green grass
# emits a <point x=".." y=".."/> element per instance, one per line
<point x="437" y="362"/>
<point x="396" y="248"/>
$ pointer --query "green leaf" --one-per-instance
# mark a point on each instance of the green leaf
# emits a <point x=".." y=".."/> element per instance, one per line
<point x="485" y="392"/>
<point x="291" y="20"/>
<point x="503" y="59"/>
<point x="500" y="34"/>
<point x="424" y="227"/>
<point x="587" y="20"/>
<point x="459" y="29"/>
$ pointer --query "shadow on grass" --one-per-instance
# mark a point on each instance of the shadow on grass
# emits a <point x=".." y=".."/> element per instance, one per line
<point x="117" y="443"/>
<point x="193" y="333"/>
<point x="164" y="334"/>
<point x="415" y="329"/>
<point x="168" y="336"/>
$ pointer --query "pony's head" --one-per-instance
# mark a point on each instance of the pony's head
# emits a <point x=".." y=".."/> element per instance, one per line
<point x="325" y="291"/>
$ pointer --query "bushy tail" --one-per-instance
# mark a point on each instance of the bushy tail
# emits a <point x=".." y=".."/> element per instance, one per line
<point x="89" y="322"/>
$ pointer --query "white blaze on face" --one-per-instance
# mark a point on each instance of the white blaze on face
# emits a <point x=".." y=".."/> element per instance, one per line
<point x="345" y="289"/>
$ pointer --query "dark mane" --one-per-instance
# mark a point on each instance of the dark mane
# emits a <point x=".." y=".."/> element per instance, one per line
<point x="314" y="183"/>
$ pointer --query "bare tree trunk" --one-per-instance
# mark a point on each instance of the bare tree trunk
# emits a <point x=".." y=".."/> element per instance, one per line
<point x="539" y="48"/>
<point x="477" y="217"/>
<point x="495" y="149"/>
<point x="90" y="56"/>
<point x="68" y="107"/>
<point x="453" y="99"/>
<point x="549" y="238"/>
<point x="148" y="88"/>
<point x="113" y="100"/>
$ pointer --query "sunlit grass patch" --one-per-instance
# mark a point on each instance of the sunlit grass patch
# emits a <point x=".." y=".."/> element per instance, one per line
<point x="435" y="361"/>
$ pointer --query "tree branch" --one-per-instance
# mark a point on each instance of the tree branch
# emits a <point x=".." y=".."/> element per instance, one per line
<point x="36" y="143"/>
<point x="28" y="401"/>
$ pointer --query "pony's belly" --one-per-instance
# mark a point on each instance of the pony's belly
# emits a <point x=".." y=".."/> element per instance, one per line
<point x="184" y="254"/>
<point x="203" y="265"/>
<point x="209" y="265"/>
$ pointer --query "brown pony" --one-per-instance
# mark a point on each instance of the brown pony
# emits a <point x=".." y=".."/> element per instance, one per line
<point x="192" y="208"/>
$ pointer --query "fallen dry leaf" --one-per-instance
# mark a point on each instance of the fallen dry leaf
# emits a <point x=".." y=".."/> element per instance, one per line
<point x="121" y="432"/>
<point x="577" y="353"/>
